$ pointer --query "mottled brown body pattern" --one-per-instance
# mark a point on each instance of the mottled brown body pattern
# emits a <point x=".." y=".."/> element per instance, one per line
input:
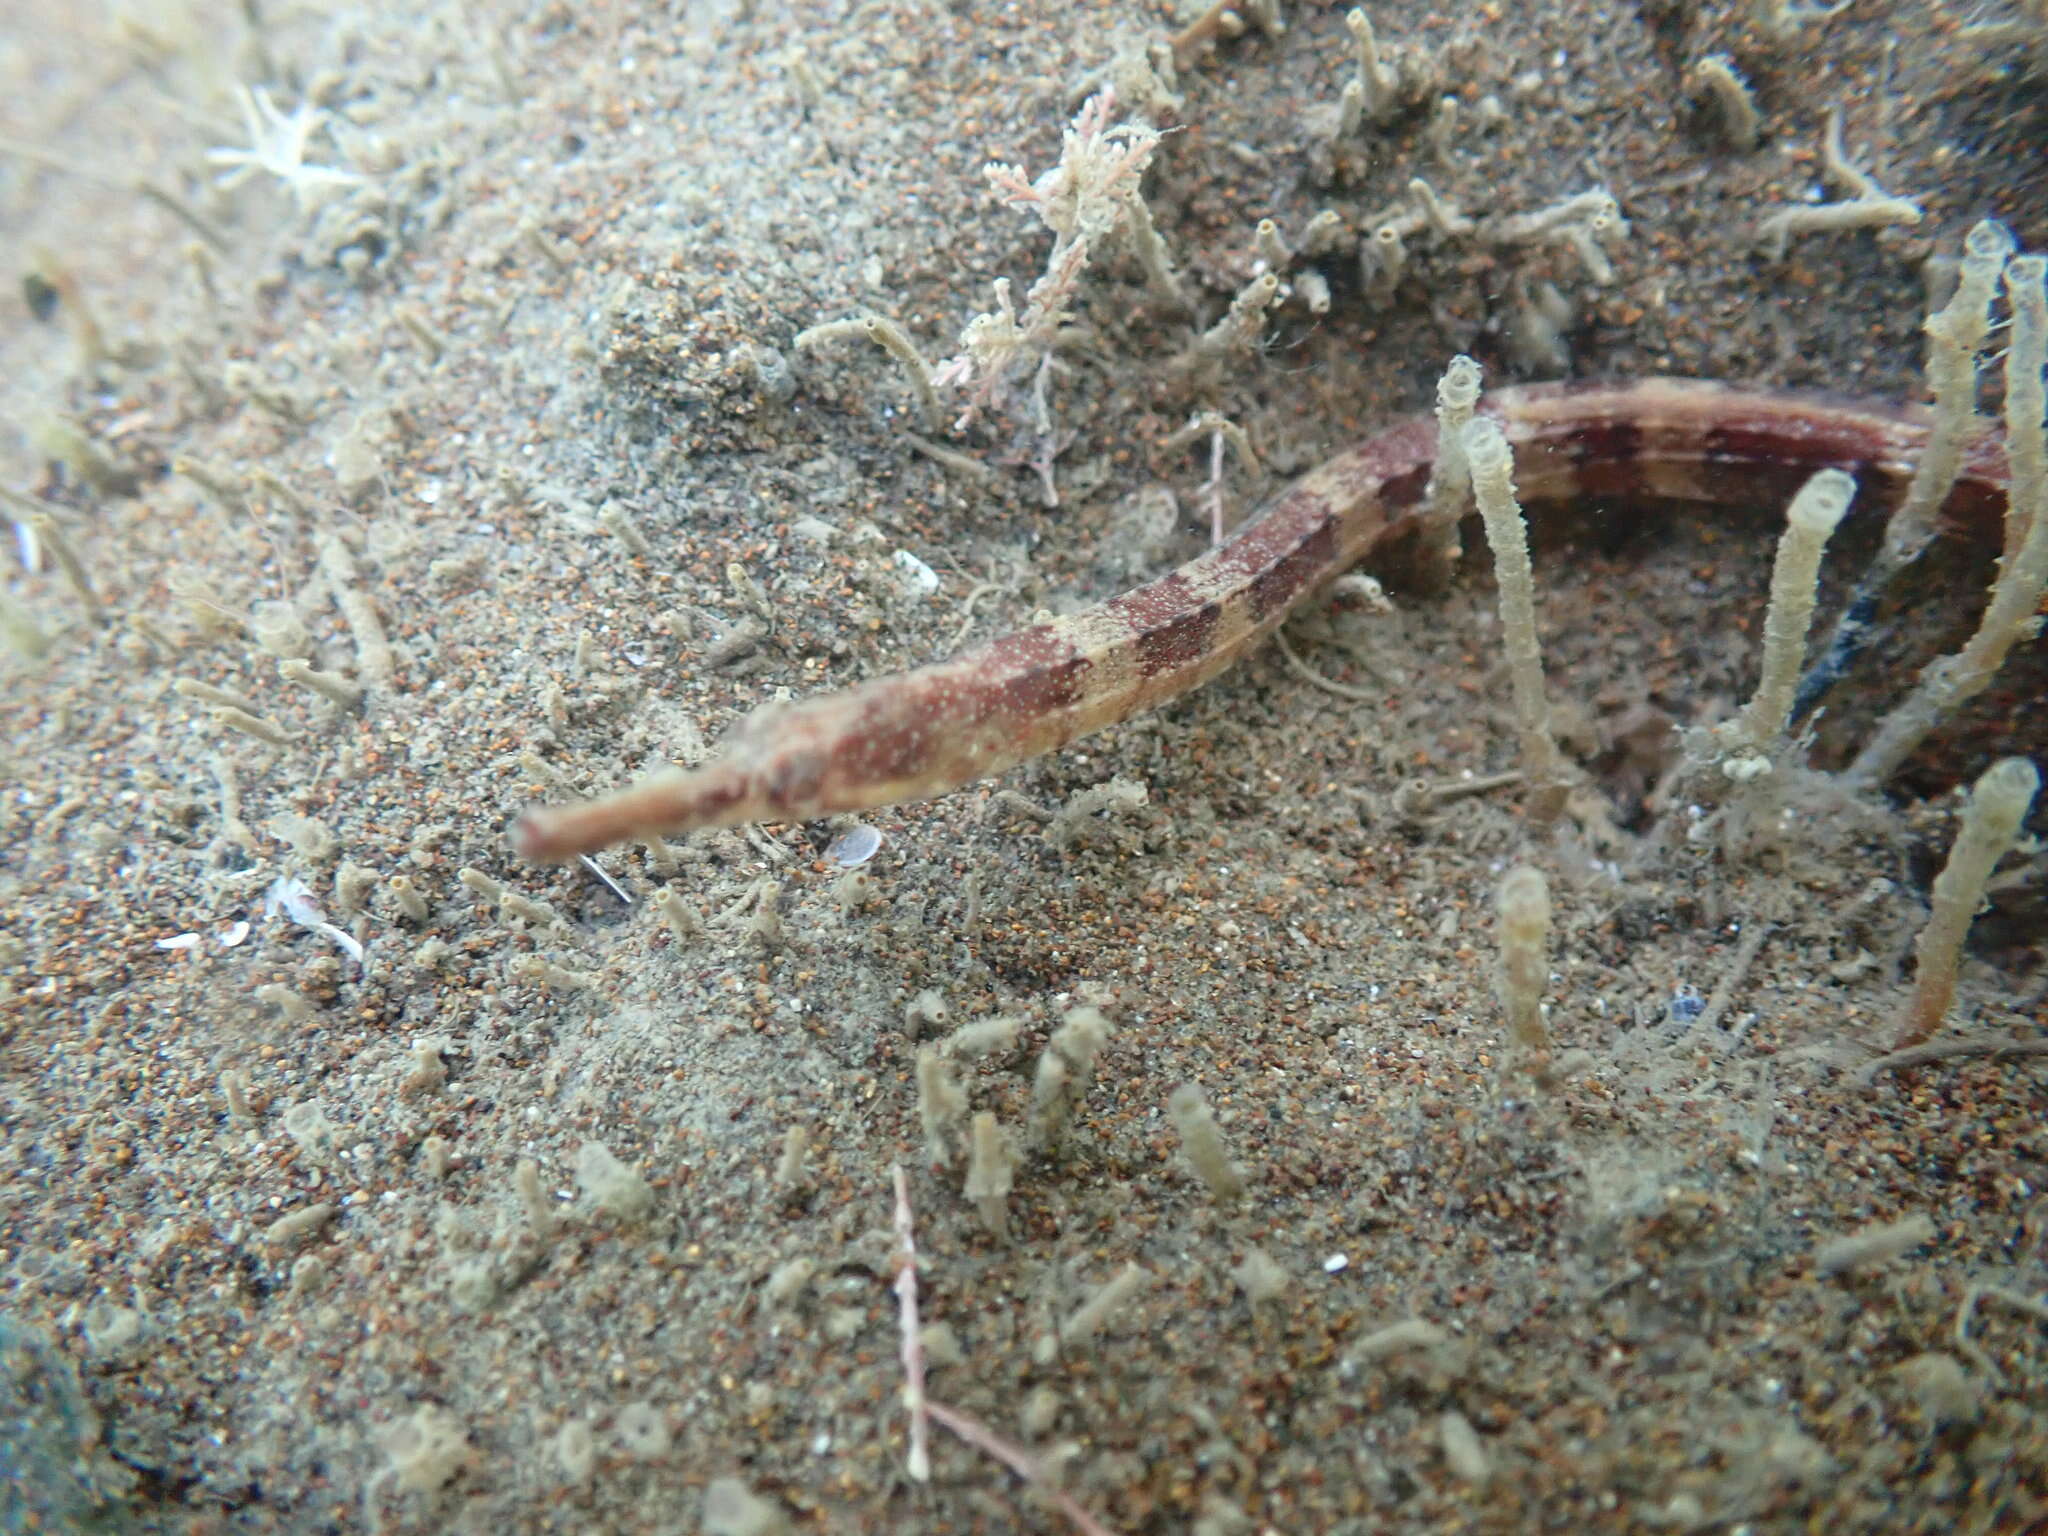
<point x="926" y="731"/>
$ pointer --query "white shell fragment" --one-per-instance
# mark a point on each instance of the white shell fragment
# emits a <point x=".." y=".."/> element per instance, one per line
<point x="916" y="572"/>
<point x="854" y="847"/>
<point x="291" y="897"/>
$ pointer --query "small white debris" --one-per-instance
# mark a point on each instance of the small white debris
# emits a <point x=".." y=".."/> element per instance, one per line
<point x="179" y="941"/>
<point x="291" y="897"/>
<point x="854" y="847"/>
<point x="1744" y="768"/>
<point x="1336" y="1264"/>
<point x="234" y="934"/>
<point x="616" y="889"/>
<point x="920" y="575"/>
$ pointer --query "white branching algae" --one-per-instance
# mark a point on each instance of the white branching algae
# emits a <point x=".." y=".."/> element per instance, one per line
<point x="985" y="1037"/>
<point x="1241" y="326"/>
<point x="731" y="1508"/>
<point x="1464" y="1452"/>
<point x="247" y="724"/>
<point x="534" y="1200"/>
<point x="2011" y="614"/>
<point x="610" y="1185"/>
<point x="941" y="1102"/>
<point x="789" y="1280"/>
<point x="1955" y="335"/>
<point x="1827" y="218"/>
<point x="376" y="662"/>
<point x="1450" y="478"/>
<point x="276" y="627"/>
<point x="928" y="1007"/>
<point x="1809" y="522"/>
<point x="427" y="1449"/>
<point x="789" y="1167"/>
<point x="406" y="896"/>
<point x="1491" y="464"/>
<point x="891" y="338"/>
<point x="1873" y="1245"/>
<point x="681" y="919"/>
<point x="290" y="1003"/>
<point x="642" y="1431"/>
<point x="300" y="1225"/>
<point x="1715" y="78"/>
<point x="1524" y="906"/>
<point x="1867" y="207"/>
<point x="991" y="1166"/>
<point x="576" y="1451"/>
<point x="1262" y="1278"/>
<point x="1397" y="1338"/>
<point x="1064" y="1072"/>
<point x="1087" y="1319"/>
<point x="1998" y="803"/>
<point x="1202" y="1144"/>
<point x="53" y="538"/>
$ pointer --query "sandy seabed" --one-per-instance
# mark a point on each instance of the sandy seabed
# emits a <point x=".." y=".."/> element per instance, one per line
<point x="362" y="1177"/>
